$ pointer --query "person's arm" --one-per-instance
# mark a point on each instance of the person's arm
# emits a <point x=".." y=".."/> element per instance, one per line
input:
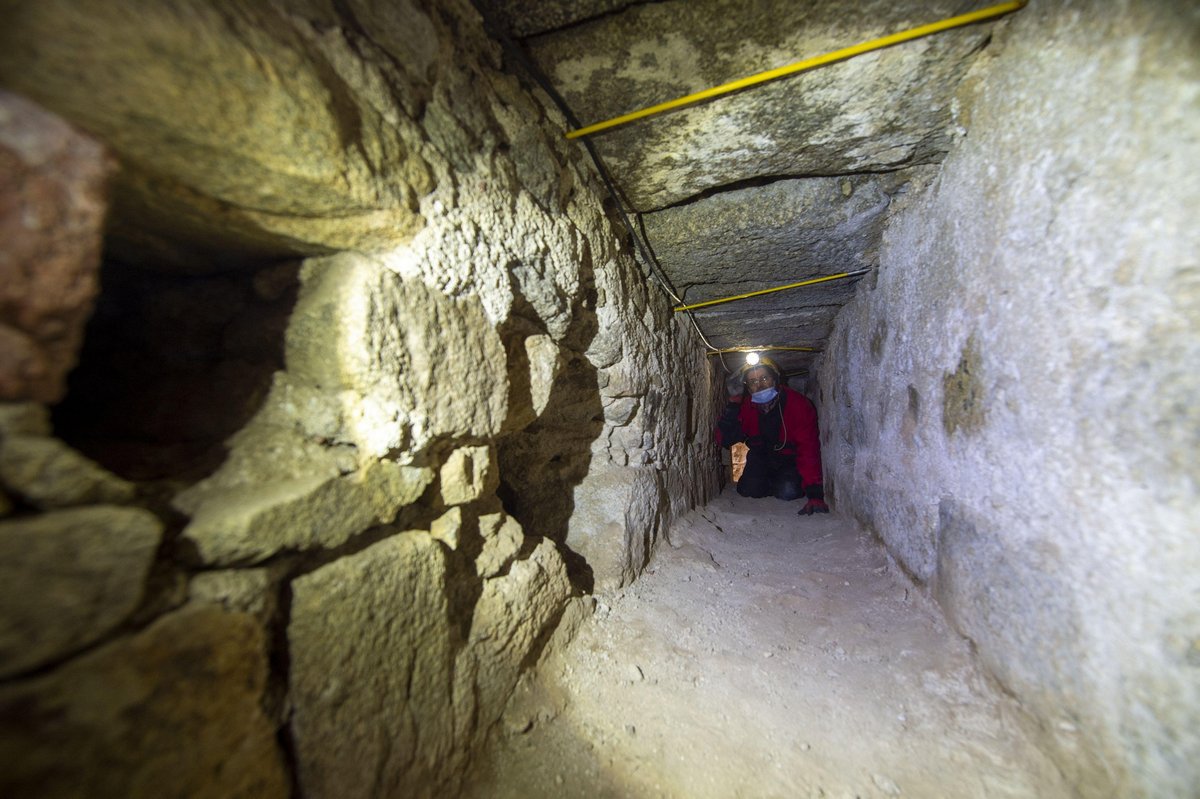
<point x="807" y="437"/>
<point x="729" y="426"/>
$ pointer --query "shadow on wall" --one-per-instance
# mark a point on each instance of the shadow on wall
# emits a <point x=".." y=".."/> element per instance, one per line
<point x="541" y="464"/>
<point x="172" y="365"/>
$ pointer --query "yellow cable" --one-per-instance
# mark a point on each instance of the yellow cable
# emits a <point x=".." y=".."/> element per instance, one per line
<point x="764" y="349"/>
<point x="760" y="292"/>
<point x="800" y="66"/>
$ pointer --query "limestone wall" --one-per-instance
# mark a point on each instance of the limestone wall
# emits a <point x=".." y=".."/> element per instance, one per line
<point x="483" y="411"/>
<point x="1013" y="407"/>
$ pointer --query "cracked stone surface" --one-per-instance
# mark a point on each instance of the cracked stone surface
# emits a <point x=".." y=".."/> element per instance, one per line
<point x="878" y="112"/>
<point x="768" y="186"/>
<point x="755" y="238"/>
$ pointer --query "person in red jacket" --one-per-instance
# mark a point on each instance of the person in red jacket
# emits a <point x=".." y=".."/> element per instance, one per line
<point x="780" y="427"/>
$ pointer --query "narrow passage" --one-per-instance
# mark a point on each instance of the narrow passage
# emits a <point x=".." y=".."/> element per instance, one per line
<point x="765" y="655"/>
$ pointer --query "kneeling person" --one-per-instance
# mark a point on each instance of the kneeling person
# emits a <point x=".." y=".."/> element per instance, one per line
<point x="779" y="426"/>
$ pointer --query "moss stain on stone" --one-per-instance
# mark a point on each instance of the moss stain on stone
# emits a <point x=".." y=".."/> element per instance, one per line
<point x="963" y="405"/>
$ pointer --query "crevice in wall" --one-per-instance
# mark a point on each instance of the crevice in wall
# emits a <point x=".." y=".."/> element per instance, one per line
<point x="496" y="10"/>
<point x="759" y="181"/>
<point x="276" y="689"/>
<point x="541" y="465"/>
<point x="172" y="365"/>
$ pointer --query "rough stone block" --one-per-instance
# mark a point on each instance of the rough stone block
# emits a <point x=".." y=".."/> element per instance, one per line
<point x="619" y="410"/>
<point x="545" y="361"/>
<point x="172" y="711"/>
<point x="24" y="418"/>
<point x="628" y="437"/>
<point x="864" y="115"/>
<point x="696" y="242"/>
<point x="372" y="709"/>
<point x="205" y="109"/>
<point x="502" y="540"/>
<point x="238" y="590"/>
<point x="69" y="577"/>
<point x="52" y="206"/>
<point x="597" y="529"/>
<point x="359" y="327"/>
<point x="468" y="474"/>
<point x="447" y="528"/>
<point x="511" y="617"/>
<point x="49" y="474"/>
<point x="251" y="523"/>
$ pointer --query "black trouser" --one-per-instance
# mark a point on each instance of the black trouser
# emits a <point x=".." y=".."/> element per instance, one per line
<point x="770" y="475"/>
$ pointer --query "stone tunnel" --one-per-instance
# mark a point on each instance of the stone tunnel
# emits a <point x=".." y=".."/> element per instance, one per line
<point x="337" y="385"/>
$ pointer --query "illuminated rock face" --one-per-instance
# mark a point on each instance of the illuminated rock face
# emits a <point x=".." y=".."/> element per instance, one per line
<point x="464" y="405"/>
<point x="1013" y="407"/>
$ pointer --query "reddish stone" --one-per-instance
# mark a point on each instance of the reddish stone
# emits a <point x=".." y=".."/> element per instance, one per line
<point x="52" y="205"/>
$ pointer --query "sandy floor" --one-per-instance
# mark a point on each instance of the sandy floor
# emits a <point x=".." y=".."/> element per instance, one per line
<point x="765" y="655"/>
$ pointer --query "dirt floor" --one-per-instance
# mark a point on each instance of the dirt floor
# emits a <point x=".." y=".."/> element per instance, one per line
<point x="765" y="654"/>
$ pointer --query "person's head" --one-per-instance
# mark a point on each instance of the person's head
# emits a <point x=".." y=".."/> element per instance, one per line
<point x="759" y="377"/>
<point x="763" y="374"/>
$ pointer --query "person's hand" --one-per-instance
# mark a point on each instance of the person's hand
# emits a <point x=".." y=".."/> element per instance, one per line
<point x="814" y="506"/>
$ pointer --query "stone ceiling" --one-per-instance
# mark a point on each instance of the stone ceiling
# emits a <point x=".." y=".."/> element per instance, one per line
<point x="773" y="185"/>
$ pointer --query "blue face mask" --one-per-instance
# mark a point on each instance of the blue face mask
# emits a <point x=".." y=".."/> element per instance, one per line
<point x="764" y="396"/>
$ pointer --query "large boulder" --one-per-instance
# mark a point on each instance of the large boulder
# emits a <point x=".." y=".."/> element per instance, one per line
<point x="172" y="711"/>
<point x="69" y="577"/>
<point x="53" y="183"/>
<point x="371" y="710"/>
<point x="393" y="708"/>
<point x="49" y="474"/>
<point x="252" y="523"/>
<point x="514" y="615"/>
<point x="245" y="132"/>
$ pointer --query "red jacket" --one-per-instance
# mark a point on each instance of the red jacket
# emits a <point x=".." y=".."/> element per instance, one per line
<point x="798" y="430"/>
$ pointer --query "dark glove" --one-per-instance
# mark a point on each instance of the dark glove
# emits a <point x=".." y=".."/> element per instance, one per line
<point x="816" y="500"/>
<point x="814" y="506"/>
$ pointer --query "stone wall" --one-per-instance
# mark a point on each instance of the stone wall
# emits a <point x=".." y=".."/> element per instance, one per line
<point x="53" y="183"/>
<point x="483" y="409"/>
<point x="1013" y="407"/>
